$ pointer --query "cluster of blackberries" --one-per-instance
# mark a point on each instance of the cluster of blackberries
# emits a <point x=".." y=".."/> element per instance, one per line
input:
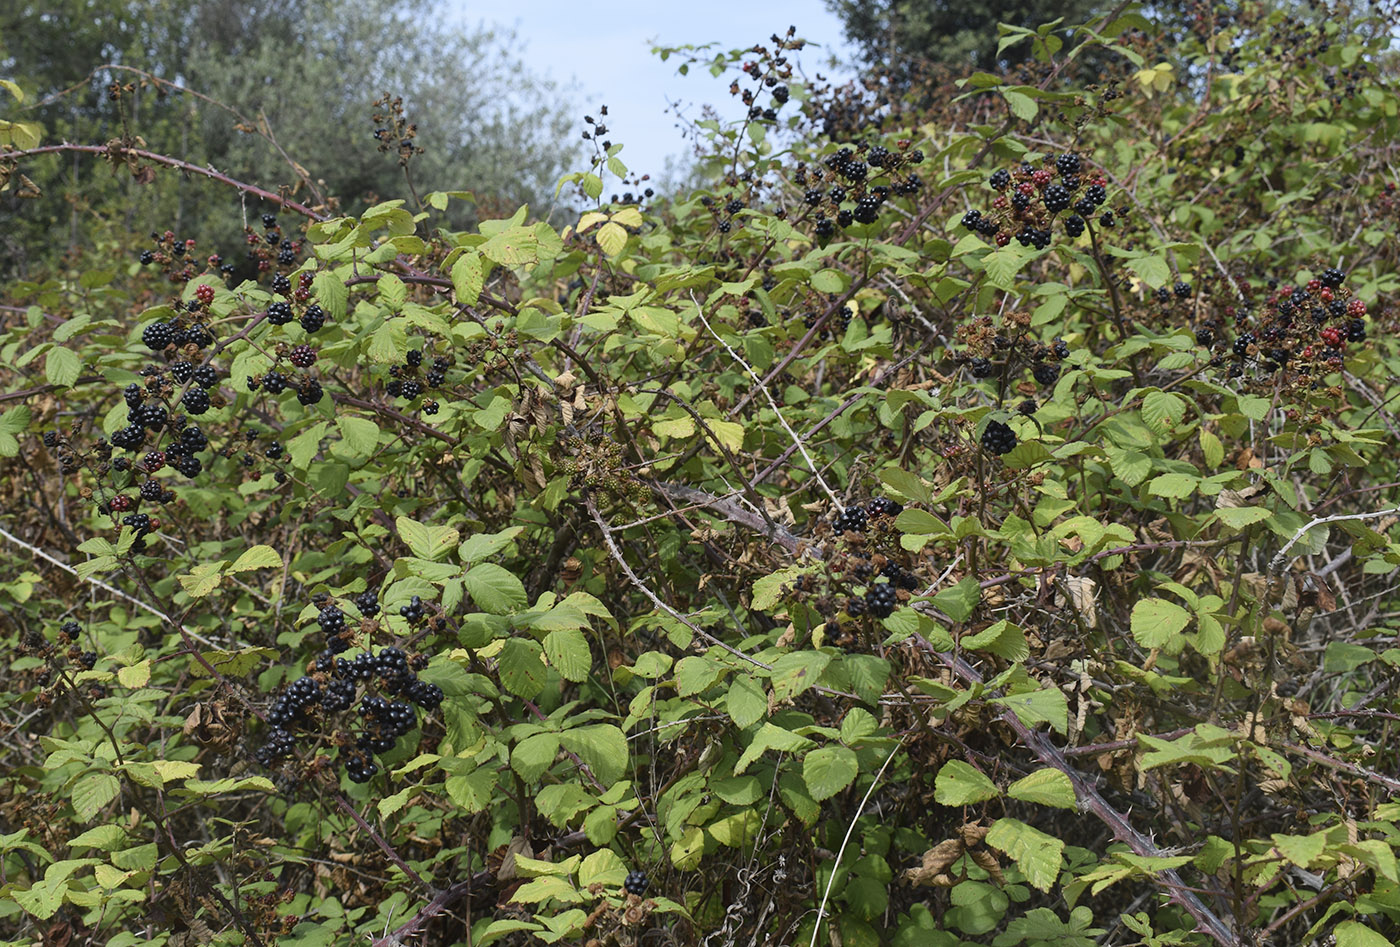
<point x="368" y="603"/>
<point x="159" y="336"/>
<point x="852" y="519"/>
<point x="295" y="703"/>
<point x="900" y="577"/>
<point x="635" y="883"/>
<point x="413" y="611"/>
<point x="1017" y="213"/>
<point x="998" y="438"/>
<point x="883" y="506"/>
<point x="405" y="384"/>
<point x="881" y="600"/>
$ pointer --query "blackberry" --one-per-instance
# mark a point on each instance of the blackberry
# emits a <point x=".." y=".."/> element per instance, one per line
<point x="1095" y="194"/>
<point x="1000" y="179"/>
<point x="837" y="194"/>
<point x="981" y="368"/>
<point x="881" y="600"/>
<point x="340" y="694"/>
<point x="867" y="209"/>
<point x="635" y="883"/>
<point x="287" y="256"/>
<point x="280" y="744"/>
<point x="152" y="416"/>
<point x="987" y="226"/>
<point x="130" y="437"/>
<point x="1356" y="331"/>
<point x="851" y="520"/>
<point x="393" y="389"/>
<point x="331" y="620"/>
<point x="813" y="196"/>
<point x="147" y="257"/>
<point x="279" y="313"/>
<point x="1337" y="307"/>
<point x="158" y="336"/>
<point x="1163" y="294"/>
<point x="310" y="392"/>
<point x="280" y="284"/>
<point x="1045" y="373"/>
<point x="360" y="768"/>
<point x="1205" y="336"/>
<point x="442" y="363"/>
<point x="412" y="389"/>
<point x="413" y="611"/>
<point x="182" y="371"/>
<point x="844" y="218"/>
<point x="192" y="439"/>
<point x="1182" y="290"/>
<point x="1074" y="225"/>
<point x="824" y="228"/>
<point x="1060" y="349"/>
<point x="274" y="383"/>
<point x="998" y="438"/>
<point x="303" y="356"/>
<point x="137" y="521"/>
<point x="50" y="438"/>
<point x="414" y="358"/>
<point x="1057" y="198"/>
<point x="269" y="221"/>
<point x="189" y="466"/>
<point x="1085" y="207"/>
<point x="152" y="491"/>
<point x="883" y="506"/>
<point x="971" y="219"/>
<point x="435" y="379"/>
<point x="133" y="394"/>
<point x="1027" y="407"/>
<point x="1107" y="219"/>
<point x="1067" y="163"/>
<point x="154" y="460"/>
<point x="196" y="401"/>
<point x="1332" y="277"/>
<point x="878" y="156"/>
<point x="313" y="319"/>
<point x="206" y="376"/>
<point x="853" y="171"/>
<point x="430" y="407"/>
<point x="1243" y="343"/>
<point x="1020" y="201"/>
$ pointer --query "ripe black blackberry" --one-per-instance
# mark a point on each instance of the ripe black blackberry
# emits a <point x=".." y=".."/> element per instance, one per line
<point x="971" y="219"/>
<point x="881" y="600"/>
<point x="1182" y="290"/>
<point x="1057" y="198"/>
<point x="274" y="383"/>
<point x="1045" y="373"/>
<point x="1096" y="194"/>
<point x="1332" y="277"/>
<point x="430" y="407"/>
<point x="414" y="358"/>
<point x="1242" y="344"/>
<point x="1067" y="163"/>
<point x="280" y="284"/>
<point x="436" y="378"/>
<point x="998" y="438"/>
<point x="1027" y="407"/>
<point x="1000" y="179"/>
<point x="340" y="695"/>
<point x="286" y="256"/>
<point x="425" y="695"/>
<point x="303" y="356"/>
<point x="279" y="313"/>
<point x="189" y="466"/>
<point x="269" y="221"/>
<point x="413" y="611"/>
<point x="1020" y="201"/>
<point x="331" y="619"/>
<point x="1060" y="349"/>
<point x="883" y="506"/>
<point x="130" y="437"/>
<point x="137" y="521"/>
<point x="635" y="883"/>
<point x="851" y="520"/>
<point x="147" y="257"/>
<point x="279" y="745"/>
<point x="361" y="768"/>
<point x="1107" y="220"/>
<point x="152" y="491"/>
<point x="206" y="376"/>
<point x="1205" y="336"/>
<point x="867" y="209"/>
<point x="1356" y="331"/>
<point x="412" y="389"/>
<point x="195" y="401"/>
<point x="150" y="416"/>
<point x="182" y="371"/>
<point x="1074" y="225"/>
<point x="310" y="392"/>
<point x="813" y="196"/>
<point x="158" y="336"/>
<point x="313" y="319"/>
<point x="837" y="194"/>
<point x="824" y="228"/>
<point x="844" y="218"/>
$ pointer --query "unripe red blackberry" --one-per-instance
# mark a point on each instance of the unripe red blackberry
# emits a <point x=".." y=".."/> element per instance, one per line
<point x="303" y="356"/>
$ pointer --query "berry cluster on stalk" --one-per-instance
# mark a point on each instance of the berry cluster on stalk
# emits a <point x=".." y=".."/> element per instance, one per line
<point x="1030" y="199"/>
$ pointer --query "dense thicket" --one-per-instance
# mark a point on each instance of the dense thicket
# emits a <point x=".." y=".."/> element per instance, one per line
<point x="972" y="516"/>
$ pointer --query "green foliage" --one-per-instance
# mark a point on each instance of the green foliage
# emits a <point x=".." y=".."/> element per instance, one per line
<point x="760" y="564"/>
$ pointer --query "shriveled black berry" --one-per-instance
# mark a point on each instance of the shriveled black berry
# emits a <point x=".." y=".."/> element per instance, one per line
<point x="310" y="392"/>
<point x="1045" y="372"/>
<point x="981" y="368"/>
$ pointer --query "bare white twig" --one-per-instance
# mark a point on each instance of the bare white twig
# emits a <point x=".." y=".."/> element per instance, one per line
<point x="811" y="464"/>
<point x="1279" y="561"/>
<point x="103" y="585"/>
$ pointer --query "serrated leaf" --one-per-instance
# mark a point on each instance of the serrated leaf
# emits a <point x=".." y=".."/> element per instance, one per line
<point x="1049" y="787"/>
<point x="612" y="238"/>
<point x="1022" y="106"/>
<point x="959" y="784"/>
<point x="1151" y="269"/>
<point x="1044" y="705"/>
<point x="1356" y="934"/>
<point x="567" y="650"/>
<point x="1158" y="623"/>
<point x="91" y="794"/>
<point x="360" y="436"/>
<point x="62" y="366"/>
<point x="829" y="281"/>
<point x="472" y="791"/>
<point x="426" y="542"/>
<point x="959" y="601"/>
<point x="1164" y="412"/>
<point x="204" y="578"/>
<point x="1173" y="485"/>
<point x="602" y="746"/>
<point x="521" y="670"/>
<point x="494" y="589"/>
<point x="533" y="755"/>
<point x="1038" y="855"/>
<point x="829" y="770"/>
<point x="331" y="293"/>
<point x="258" y="557"/>
<point x="484" y="545"/>
<point x="135" y="676"/>
<point x="468" y="278"/>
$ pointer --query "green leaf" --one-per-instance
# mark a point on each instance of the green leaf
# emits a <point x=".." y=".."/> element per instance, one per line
<point x="1151" y="269"/>
<point x="360" y="436"/>
<point x="62" y="367"/>
<point x="612" y="238"/>
<point x="959" y="784"/>
<point x="1173" y="485"/>
<point x="1046" y="705"/>
<point x="203" y="579"/>
<point x="484" y="545"/>
<point x="534" y="754"/>
<point x="92" y="793"/>
<point x="1164" y="412"/>
<point x="473" y="791"/>
<point x="959" y="601"/>
<point x="1037" y="854"/>
<point x="1022" y="106"/>
<point x="829" y="281"/>
<point x="468" y="278"/>
<point x="494" y="589"/>
<point x="1356" y="934"/>
<point x="745" y="702"/>
<point x="909" y="487"/>
<point x="1049" y="787"/>
<point x="522" y="672"/>
<point x="1157" y="623"/>
<point x="331" y="293"/>
<point x="568" y="652"/>
<point x="304" y="446"/>
<point x="829" y="770"/>
<point x="427" y="542"/>
<point x="603" y="747"/>
<point x="258" y="557"/>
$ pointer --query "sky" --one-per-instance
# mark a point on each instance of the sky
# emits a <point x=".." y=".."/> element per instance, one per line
<point x="605" y="49"/>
